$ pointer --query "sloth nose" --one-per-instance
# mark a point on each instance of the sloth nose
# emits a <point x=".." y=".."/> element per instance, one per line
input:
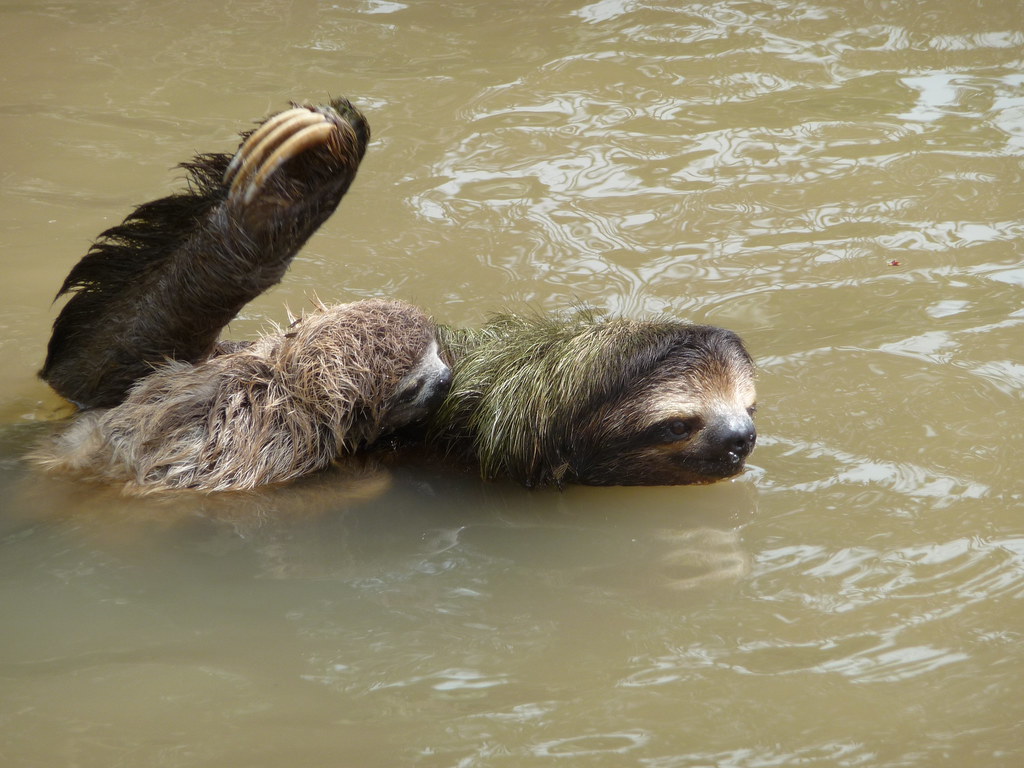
<point x="444" y="381"/>
<point x="736" y="441"/>
<point x="439" y="388"/>
<point x="743" y="443"/>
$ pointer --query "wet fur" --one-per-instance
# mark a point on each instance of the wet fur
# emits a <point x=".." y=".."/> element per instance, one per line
<point x="541" y="400"/>
<point x="170" y="406"/>
<point x="584" y="399"/>
<point x="280" y="408"/>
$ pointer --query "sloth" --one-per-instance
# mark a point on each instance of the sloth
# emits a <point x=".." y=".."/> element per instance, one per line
<point x="281" y="407"/>
<point x="542" y="400"/>
<point x="165" y="404"/>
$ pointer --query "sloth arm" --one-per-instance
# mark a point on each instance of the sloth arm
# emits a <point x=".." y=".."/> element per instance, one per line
<point x="163" y="284"/>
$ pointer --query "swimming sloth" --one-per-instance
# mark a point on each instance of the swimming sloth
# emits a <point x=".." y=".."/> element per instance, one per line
<point x="540" y="400"/>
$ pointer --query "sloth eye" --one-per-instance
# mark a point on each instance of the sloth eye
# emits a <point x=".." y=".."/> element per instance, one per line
<point x="410" y="393"/>
<point x="680" y="429"/>
<point x="752" y="410"/>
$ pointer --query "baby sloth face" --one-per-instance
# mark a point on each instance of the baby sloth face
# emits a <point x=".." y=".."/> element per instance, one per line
<point x="364" y="369"/>
<point x="688" y="421"/>
<point x="419" y="392"/>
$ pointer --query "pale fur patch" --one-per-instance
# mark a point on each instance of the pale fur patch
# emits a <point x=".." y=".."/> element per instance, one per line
<point x="285" y="406"/>
<point x="729" y="399"/>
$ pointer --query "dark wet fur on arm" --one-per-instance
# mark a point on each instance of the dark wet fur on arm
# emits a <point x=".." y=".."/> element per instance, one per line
<point x="163" y="284"/>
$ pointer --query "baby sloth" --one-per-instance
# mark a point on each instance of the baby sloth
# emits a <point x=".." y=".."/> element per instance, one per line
<point x="137" y="342"/>
<point x="546" y="400"/>
<point x="284" y="406"/>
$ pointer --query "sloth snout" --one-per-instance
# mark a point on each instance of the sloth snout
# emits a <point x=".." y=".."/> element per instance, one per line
<point x="735" y="441"/>
<point x="444" y="381"/>
<point x="440" y="388"/>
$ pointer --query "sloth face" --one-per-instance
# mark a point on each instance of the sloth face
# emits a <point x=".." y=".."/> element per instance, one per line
<point x="419" y="392"/>
<point x="544" y="400"/>
<point x="688" y="422"/>
<point x="682" y="445"/>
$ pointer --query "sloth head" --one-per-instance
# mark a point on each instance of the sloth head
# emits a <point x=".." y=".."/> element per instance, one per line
<point x="600" y="402"/>
<point x="687" y="420"/>
<point x="364" y="369"/>
<point x="419" y="392"/>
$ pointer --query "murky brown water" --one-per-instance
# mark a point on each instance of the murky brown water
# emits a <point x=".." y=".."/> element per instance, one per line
<point x="855" y="599"/>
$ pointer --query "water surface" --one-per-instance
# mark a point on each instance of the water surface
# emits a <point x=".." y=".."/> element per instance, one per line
<point x="839" y="182"/>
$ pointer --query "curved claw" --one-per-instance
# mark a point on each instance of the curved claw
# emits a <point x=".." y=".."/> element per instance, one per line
<point x="257" y="136"/>
<point x="309" y="136"/>
<point x="256" y="148"/>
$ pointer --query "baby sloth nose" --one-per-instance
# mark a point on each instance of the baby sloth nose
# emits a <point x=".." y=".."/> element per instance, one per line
<point x="444" y="381"/>
<point x="442" y="384"/>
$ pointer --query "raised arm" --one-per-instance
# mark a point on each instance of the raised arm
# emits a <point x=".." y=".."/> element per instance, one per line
<point x="163" y="284"/>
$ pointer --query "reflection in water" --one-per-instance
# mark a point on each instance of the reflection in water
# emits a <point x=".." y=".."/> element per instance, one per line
<point x="838" y="182"/>
<point x="701" y="556"/>
<point x="605" y="743"/>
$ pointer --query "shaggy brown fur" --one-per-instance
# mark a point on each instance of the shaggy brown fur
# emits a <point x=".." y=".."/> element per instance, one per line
<point x="154" y="293"/>
<point x="541" y="400"/>
<point x="283" y="407"/>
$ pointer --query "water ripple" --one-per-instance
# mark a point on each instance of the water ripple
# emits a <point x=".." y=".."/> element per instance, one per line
<point x="951" y="577"/>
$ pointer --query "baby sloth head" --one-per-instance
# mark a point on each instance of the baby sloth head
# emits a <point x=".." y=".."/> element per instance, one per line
<point x="419" y="392"/>
<point x="366" y="369"/>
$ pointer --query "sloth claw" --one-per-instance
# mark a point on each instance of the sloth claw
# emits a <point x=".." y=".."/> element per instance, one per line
<point x="246" y="169"/>
<point x="337" y="129"/>
<point x="245" y="152"/>
<point x="310" y="136"/>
